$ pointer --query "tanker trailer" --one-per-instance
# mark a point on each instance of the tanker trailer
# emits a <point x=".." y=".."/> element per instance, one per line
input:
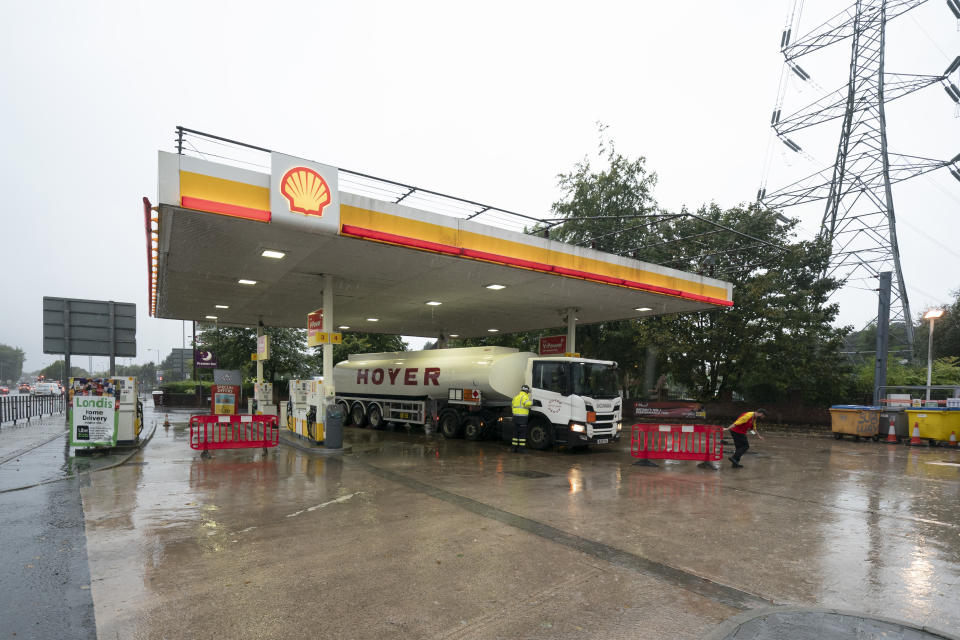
<point x="467" y="392"/>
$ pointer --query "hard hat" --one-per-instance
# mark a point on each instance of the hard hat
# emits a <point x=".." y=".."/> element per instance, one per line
<point x="524" y="388"/>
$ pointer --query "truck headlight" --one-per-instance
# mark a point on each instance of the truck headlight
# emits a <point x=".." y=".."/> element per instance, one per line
<point x="619" y="427"/>
<point x="577" y="428"/>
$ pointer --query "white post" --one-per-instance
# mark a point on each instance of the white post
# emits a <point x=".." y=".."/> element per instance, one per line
<point x="259" y="363"/>
<point x="328" y="327"/>
<point x="930" y="356"/>
<point x="572" y="330"/>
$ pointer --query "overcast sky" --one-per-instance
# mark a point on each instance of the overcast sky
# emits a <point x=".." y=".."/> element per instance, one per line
<point x="488" y="101"/>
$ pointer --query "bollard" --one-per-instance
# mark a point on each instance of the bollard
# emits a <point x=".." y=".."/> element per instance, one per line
<point x="333" y="427"/>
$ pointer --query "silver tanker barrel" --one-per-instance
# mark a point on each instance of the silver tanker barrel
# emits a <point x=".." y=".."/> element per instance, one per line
<point x="496" y="372"/>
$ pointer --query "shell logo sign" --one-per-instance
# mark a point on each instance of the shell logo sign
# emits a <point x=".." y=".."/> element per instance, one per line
<point x="306" y="191"/>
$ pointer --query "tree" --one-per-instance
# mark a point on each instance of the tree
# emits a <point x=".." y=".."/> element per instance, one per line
<point x="290" y="358"/>
<point x="11" y="362"/>
<point x="946" y="332"/>
<point x="775" y="341"/>
<point x="361" y="343"/>
<point x="55" y="371"/>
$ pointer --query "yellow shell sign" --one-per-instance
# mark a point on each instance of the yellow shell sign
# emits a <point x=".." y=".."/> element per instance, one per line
<point x="306" y="191"/>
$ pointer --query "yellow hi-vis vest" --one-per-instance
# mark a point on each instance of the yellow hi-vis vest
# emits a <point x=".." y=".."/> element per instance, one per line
<point x="521" y="404"/>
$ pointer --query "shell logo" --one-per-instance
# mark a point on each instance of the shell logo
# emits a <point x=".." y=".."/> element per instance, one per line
<point x="306" y="191"/>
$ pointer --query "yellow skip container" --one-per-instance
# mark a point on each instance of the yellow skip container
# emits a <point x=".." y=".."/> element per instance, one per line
<point x="935" y="424"/>
<point x="856" y="420"/>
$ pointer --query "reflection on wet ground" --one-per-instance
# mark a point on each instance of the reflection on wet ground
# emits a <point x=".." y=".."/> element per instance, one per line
<point x="417" y="535"/>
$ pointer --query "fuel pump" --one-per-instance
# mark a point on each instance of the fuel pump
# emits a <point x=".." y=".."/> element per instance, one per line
<point x="263" y="399"/>
<point x="304" y="410"/>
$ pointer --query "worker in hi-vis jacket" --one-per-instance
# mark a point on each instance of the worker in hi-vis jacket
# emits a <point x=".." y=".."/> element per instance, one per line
<point x="521" y="413"/>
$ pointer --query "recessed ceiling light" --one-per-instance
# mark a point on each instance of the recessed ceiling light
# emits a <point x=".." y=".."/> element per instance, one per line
<point x="496" y="287"/>
<point x="270" y="253"/>
<point x="221" y="306"/>
<point x="211" y="317"/>
<point x="343" y="326"/>
<point x="242" y="281"/>
<point x="434" y="303"/>
<point x="643" y="309"/>
<point x="373" y="319"/>
<point x="492" y="330"/>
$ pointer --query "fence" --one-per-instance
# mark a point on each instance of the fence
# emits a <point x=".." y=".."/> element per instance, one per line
<point x="233" y="432"/>
<point x="25" y="407"/>
<point x="677" y="442"/>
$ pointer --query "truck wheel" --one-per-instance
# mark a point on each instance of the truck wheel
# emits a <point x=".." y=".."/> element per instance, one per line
<point x="357" y="416"/>
<point x="473" y="428"/>
<point x="450" y="425"/>
<point x="540" y="434"/>
<point x="375" y="417"/>
<point x="347" y="420"/>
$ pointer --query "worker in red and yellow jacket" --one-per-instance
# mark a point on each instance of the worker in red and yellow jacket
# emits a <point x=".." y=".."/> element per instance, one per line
<point x="739" y="429"/>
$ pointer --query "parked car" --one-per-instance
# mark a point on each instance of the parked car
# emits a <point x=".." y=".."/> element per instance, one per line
<point x="4" y="390"/>
<point x="47" y="389"/>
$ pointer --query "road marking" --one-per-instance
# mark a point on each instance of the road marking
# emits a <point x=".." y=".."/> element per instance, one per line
<point x="324" y="504"/>
<point x="730" y="596"/>
<point x="945" y="464"/>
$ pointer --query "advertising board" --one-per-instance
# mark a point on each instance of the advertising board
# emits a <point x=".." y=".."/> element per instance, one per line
<point x="553" y="345"/>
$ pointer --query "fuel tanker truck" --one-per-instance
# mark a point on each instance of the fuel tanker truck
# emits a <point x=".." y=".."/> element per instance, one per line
<point x="467" y="393"/>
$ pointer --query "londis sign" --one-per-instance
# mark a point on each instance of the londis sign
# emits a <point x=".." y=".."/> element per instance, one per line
<point x="93" y="421"/>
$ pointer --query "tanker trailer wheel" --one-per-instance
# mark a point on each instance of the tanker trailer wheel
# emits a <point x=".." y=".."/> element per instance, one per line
<point x="347" y="419"/>
<point x="375" y="417"/>
<point x="539" y="434"/>
<point x="450" y="424"/>
<point x="473" y="428"/>
<point x="357" y="415"/>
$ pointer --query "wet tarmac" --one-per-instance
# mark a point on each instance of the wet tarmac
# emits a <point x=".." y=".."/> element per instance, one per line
<point x="416" y="536"/>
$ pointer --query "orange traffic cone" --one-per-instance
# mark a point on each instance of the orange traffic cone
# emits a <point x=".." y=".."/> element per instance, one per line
<point x="953" y="440"/>
<point x="166" y="420"/>
<point x="915" y="436"/>
<point x="892" y="434"/>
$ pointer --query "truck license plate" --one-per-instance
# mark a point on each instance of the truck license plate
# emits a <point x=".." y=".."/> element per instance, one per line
<point x="602" y="440"/>
<point x="404" y="416"/>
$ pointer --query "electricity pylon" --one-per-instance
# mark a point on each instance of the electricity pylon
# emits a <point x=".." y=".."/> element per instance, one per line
<point x="858" y="217"/>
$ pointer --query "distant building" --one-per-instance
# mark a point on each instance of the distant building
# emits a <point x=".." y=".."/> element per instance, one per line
<point x="178" y="365"/>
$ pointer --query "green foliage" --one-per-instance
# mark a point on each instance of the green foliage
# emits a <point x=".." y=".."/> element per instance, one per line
<point x="361" y="343"/>
<point x="945" y="371"/>
<point x="290" y="358"/>
<point x="946" y="332"/>
<point x="777" y="339"/>
<point x="186" y="386"/>
<point x="146" y="374"/>
<point x="232" y="346"/>
<point x="55" y="371"/>
<point x="11" y="362"/>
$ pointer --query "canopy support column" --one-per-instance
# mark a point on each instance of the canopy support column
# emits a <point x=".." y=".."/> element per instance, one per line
<point x="329" y="327"/>
<point x="571" y="330"/>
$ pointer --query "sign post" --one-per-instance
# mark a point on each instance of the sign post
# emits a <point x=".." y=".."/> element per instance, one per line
<point x="89" y="328"/>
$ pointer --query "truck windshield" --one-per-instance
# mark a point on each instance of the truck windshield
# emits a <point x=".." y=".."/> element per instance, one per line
<point x="594" y="380"/>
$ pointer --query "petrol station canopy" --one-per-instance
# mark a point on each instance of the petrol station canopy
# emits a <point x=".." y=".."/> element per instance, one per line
<point x="216" y="233"/>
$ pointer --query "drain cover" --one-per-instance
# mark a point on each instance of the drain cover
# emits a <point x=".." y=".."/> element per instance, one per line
<point x="529" y="474"/>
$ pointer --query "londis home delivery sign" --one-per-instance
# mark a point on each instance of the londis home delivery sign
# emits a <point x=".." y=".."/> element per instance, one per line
<point x="94" y="421"/>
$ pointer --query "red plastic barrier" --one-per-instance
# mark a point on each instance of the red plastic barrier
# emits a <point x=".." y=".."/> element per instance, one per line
<point x="233" y="432"/>
<point x="677" y="442"/>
